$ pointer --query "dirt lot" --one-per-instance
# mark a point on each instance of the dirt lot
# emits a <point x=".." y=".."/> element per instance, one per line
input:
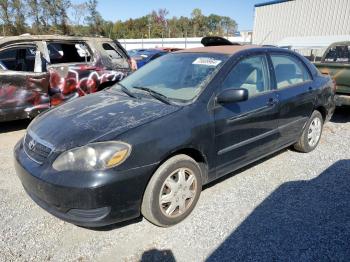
<point x="291" y="206"/>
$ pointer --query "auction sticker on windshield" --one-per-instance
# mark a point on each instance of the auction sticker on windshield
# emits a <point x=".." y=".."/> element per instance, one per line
<point x="207" y="61"/>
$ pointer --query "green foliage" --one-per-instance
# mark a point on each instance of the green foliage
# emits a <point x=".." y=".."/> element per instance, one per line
<point x="63" y="17"/>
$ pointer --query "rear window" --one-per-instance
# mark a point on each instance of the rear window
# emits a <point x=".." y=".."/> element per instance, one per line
<point x="338" y="54"/>
<point x="68" y="53"/>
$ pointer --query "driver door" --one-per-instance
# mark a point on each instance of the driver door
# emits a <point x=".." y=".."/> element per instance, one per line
<point x="245" y="131"/>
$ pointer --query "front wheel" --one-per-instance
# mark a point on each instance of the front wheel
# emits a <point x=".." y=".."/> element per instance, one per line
<point x="172" y="192"/>
<point x="312" y="133"/>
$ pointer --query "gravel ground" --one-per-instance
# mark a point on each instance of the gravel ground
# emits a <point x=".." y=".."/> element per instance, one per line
<point x="291" y="206"/>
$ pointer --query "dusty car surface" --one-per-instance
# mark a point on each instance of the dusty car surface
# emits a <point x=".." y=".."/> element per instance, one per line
<point x="148" y="144"/>
<point x="336" y="63"/>
<point x="38" y="72"/>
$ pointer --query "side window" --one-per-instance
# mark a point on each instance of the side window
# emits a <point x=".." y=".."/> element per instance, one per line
<point x="289" y="71"/>
<point x="8" y="59"/>
<point x="250" y="73"/>
<point x="111" y="51"/>
<point x="68" y="53"/>
<point x="338" y="54"/>
<point x="18" y="59"/>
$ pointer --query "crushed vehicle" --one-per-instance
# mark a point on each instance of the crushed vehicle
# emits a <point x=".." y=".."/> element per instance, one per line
<point x="38" y="72"/>
<point x="152" y="141"/>
<point x="336" y="63"/>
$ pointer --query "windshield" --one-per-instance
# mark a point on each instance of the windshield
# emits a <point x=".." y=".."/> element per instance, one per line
<point x="178" y="76"/>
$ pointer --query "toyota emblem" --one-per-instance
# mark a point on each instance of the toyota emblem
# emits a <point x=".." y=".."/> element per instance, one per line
<point x="31" y="145"/>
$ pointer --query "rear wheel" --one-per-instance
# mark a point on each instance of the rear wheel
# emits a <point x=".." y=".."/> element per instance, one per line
<point x="172" y="192"/>
<point x="312" y="133"/>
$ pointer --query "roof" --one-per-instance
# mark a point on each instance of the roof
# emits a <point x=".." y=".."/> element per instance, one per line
<point x="26" y="37"/>
<point x="224" y="49"/>
<point x="272" y="2"/>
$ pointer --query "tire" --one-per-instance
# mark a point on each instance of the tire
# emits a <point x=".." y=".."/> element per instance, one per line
<point x="308" y="142"/>
<point x="179" y="195"/>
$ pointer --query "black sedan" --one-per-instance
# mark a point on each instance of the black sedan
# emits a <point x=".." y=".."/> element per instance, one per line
<point x="148" y="144"/>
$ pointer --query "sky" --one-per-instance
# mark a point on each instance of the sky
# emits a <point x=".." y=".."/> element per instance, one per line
<point x="242" y="11"/>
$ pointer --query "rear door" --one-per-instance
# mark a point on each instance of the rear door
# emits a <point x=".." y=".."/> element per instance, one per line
<point x="295" y="92"/>
<point x="245" y="131"/>
<point x="23" y="84"/>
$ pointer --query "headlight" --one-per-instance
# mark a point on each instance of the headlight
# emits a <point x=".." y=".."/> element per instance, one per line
<point x="95" y="156"/>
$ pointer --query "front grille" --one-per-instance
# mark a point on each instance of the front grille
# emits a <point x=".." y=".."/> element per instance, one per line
<point x="35" y="150"/>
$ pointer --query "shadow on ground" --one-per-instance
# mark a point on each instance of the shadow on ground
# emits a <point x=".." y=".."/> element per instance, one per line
<point x="6" y="127"/>
<point x="299" y="221"/>
<point x="341" y="115"/>
<point x="155" y="255"/>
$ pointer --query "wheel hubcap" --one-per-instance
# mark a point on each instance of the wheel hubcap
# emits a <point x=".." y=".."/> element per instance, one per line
<point x="178" y="192"/>
<point x="314" y="132"/>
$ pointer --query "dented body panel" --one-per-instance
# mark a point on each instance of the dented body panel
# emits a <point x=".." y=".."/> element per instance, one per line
<point x="32" y="79"/>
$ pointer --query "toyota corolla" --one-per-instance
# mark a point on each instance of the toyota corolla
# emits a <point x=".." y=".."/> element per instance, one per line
<point x="147" y="145"/>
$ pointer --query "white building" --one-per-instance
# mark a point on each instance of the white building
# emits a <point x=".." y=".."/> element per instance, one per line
<point x="276" y="21"/>
<point x="190" y="42"/>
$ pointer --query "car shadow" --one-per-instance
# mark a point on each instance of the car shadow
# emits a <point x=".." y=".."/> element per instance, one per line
<point x="299" y="221"/>
<point x="155" y="255"/>
<point x="341" y="115"/>
<point x="6" y="127"/>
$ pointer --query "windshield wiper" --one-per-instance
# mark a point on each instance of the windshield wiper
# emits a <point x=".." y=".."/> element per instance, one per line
<point x="155" y="94"/>
<point x="126" y="91"/>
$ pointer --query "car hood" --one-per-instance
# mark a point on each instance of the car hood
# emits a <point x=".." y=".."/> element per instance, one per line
<point x="96" y="117"/>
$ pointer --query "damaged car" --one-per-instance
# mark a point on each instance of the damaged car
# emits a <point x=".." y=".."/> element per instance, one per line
<point x="38" y="72"/>
<point x="148" y="144"/>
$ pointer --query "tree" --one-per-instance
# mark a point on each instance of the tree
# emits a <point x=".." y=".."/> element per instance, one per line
<point x="94" y="18"/>
<point x="34" y="13"/>
<point x="18" y="9"/>
<point x="228" y="25"/>
<point x="5" y="16"/>
<point x="63" y="17"/>
<point x="78" y="11"/>
<point x="197" y="21"/>
<point x="62" y="7"/>
<point x="213" y="23"/>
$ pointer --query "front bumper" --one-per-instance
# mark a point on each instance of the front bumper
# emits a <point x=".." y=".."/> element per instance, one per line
<point x="100" y="199"/>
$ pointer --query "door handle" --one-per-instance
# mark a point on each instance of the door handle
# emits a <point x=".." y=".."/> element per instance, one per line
<point x="310" y="88"/>
<point x="272" y="101"/>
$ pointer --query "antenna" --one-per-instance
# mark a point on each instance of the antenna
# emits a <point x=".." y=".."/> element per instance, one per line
<point x="267" y="35"/>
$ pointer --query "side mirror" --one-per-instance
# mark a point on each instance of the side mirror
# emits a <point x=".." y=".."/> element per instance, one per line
<point x="232" y="95"/>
